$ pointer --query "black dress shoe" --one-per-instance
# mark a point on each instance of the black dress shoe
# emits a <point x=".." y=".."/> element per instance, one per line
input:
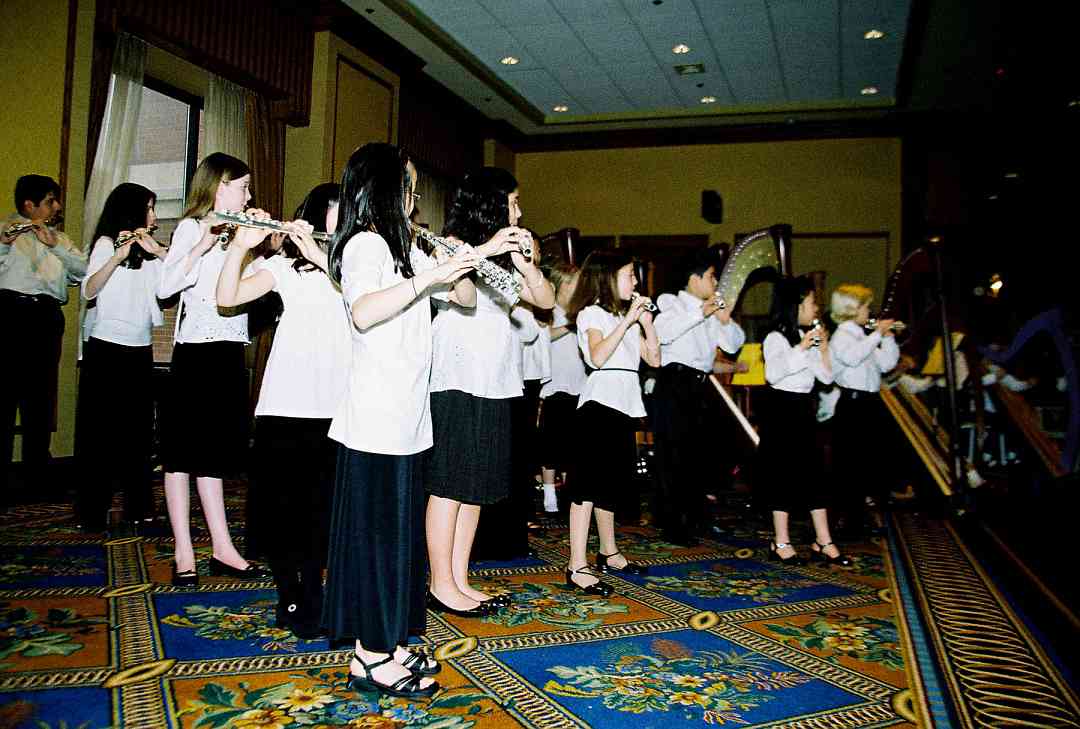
<point x="600" y="589"/>
<point x="629" y="568"/>
<point x="253" y="572"/>
<point x="819" y="554"/>
<point x="498" y="602"/>
<point x="187" y="578"/>
<point x="482" y="610"/>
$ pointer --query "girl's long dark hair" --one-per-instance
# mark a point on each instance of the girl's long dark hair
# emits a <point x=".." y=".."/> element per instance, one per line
<point x="479" y="208"/>
<point x="788" y="293"/>
<point x="125" y="209"/>
<point x="313" y="210"/>
<point x="598" y="283"/>
<point x="372" y="197"/>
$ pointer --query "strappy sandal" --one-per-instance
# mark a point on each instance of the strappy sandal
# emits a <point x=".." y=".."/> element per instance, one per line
<point x="419" y="662"/>
<point x="774" y="554"/>
<point x="406" y="687"/>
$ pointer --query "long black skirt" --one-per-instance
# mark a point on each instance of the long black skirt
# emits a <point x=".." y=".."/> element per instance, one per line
<point x="376" y="579"/>
<point x="790" y="470"/>
<point x="607" y="456"/>
<point x="292" y="479"/>
<point x="115" y="430"/>
<point x="472" y="459"/>
<point x="205" y="423"/>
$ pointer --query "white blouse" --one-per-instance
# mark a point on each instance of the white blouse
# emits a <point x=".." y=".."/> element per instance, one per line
<point x="858" y="358"/>
<point x="125" y="309"/>
<point x="536" y="343"/>
<point x="791" y="368"/>
<point x="477" y="350"/>
<point x="567" y="367"/>
<point x="386" y="406"/>
<point x="615" y="384"/>
<point x="197" y="316"/>
<point x="308" y="366"/>
<point x="690" y="339"/>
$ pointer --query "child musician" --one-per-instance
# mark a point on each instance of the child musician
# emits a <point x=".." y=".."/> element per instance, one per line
<point x="690" y="325"/>
<point x="615" y="332"/>
<point x="375" y="573"/>
<point x="858" y="361"/>
<point x="116" y="405"/>
<point x="477" y="371"/>
<point x="293" y="465"/>
<point x="796" y="351"/>
<point x="560" y="393"/>
<point x="204" y="419"/>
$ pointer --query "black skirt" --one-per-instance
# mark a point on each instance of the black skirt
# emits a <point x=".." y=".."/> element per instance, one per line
<point x="472" y="460"/>
<point x="790" y="471"/>
<point x="115" y="429"/>
<point x="289" y="494"/>
<point x="205" y="410"/>
<point x="376" y="568"/>
<point x="607" y="455"/>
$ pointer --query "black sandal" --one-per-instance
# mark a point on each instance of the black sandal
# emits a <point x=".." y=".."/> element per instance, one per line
<point x="406" y="687"/>
<point x="599" y="588"/>
<point x="819" y="554"/>
<point x="419" y="662"/>
<point x="629" y="568"/>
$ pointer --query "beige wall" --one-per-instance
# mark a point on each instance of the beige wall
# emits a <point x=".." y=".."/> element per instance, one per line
<point x="35" y="57"/>
<point x="341" y="119"/>
<point x="828" y="186"/>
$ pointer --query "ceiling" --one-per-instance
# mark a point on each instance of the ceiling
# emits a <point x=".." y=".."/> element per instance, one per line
<point x="611" y="62"/>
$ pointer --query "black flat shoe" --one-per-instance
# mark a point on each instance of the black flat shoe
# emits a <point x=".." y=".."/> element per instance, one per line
<point x="220" y="569"/>
<point x="498" y="602"/>
<point x="774" y="555"/>
<point x="817" y="553"/>
<point x="406" y="687"/>
<point x="629" y="568"/>
<point x="420" y="663"/>
<point x="600" y="589"/>
<point x="480" y="611"/>
<point x="187" y="578"/>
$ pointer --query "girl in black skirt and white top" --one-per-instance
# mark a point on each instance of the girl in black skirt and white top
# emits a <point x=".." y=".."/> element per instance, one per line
<point x="375" y="570"/>
<point x="477" y="370"/>
<point x="292" y="471"/>
<point x="116" y="405"/>
<point x="205" y="411"/>
<point x="615" y="333"/>
<point x="796" y="351"/>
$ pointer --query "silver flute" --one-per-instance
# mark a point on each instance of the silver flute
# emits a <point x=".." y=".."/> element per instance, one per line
<point x="815" y="341"/>
<point x="19" y="228"/>
<point x="494" y="275"/>
<point x="649" y="307"/>
<point x="247" y="221"/>
<point x="897" y="326"/>
<point x="128" y="236"/>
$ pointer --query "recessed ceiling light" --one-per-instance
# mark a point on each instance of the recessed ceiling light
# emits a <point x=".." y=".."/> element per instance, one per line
<point x="873" y="34"/>
<point x="688" y="69"/>
<point x="509" y="61"/>
<point x="560" y="107"/>
<point x="681" y="49"/>
<point x="868" y="90"/>
<point x="1074" y="103"/>
<point x="1011" y="175"/>
<point x="708" y="99"/>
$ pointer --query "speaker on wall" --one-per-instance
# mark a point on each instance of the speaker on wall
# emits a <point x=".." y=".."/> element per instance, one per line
<point x="712" y="206"/>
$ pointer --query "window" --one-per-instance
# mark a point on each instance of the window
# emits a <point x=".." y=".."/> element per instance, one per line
<point x="166" y="151"/>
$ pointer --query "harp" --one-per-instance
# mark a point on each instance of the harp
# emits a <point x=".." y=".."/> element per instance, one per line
<point x="766" y="248"/>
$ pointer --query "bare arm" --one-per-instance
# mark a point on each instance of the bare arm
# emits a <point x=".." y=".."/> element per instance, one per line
<point x="370" y="309"/>
<point x="650" y="350"/>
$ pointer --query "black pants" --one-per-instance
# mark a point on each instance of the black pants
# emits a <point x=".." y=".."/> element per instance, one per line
<point x="28" y="371"/>
<point x="115" y="430"/>
<point x="687" y="447"/>
<point x="861" y="426"/>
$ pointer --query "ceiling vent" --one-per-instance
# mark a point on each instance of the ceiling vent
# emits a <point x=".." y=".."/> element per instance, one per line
<point x="689" y="69"/>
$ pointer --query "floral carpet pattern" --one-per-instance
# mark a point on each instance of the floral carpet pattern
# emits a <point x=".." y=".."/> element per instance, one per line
<point x="93" y="635"/>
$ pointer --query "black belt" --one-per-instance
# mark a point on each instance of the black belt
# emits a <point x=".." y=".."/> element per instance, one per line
<point x="677" y="369"/>
<point x="28" y="298"/>
<point x="847" y="393"/>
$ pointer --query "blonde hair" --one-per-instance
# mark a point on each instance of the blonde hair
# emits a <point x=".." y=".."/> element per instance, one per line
<point x="846" y="300"/>
<point x="216" y="168"/>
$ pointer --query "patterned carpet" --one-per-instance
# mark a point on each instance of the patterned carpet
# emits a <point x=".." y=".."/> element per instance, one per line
<point x="93" y="635"/>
